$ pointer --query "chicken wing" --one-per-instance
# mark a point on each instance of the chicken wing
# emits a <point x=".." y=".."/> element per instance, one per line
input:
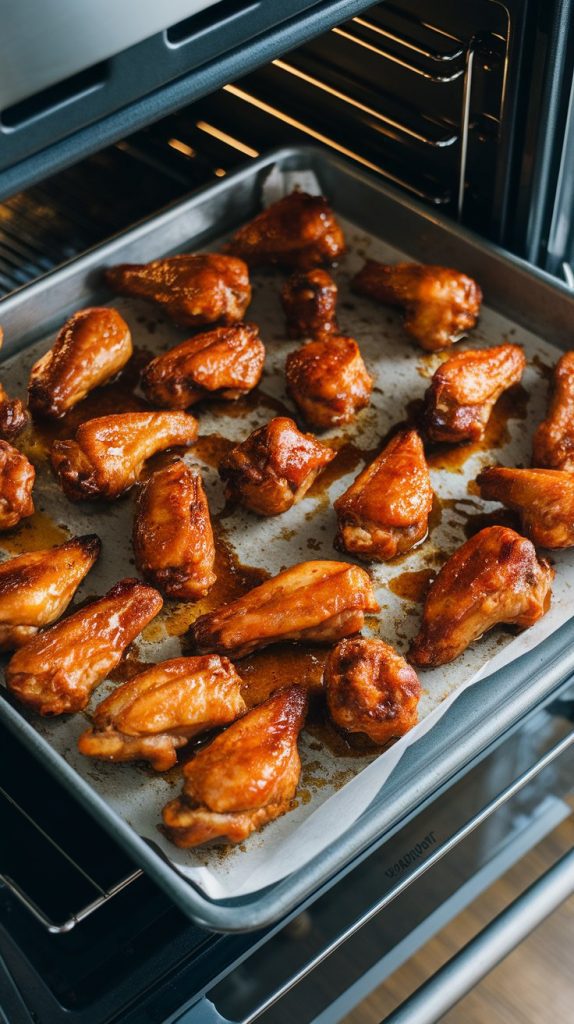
<point x="553" y="445"/>
<point x="93" y="345"/>
<point x="371" y="689"/>
<point x="245" y="778"/>
<point x="315" y="601"/>
<point x="56" y="671"/>
<point x="173" y="538"/>
<point x="328" y="380"/>
<point x="37" y="587"/>
<point x="13" y="414"/>
<point x="544" y="499"/>
<point x="274" y="467"/>
<point x="193" y="288"/>
<point x="298" y="232"/>
<point x="224" y="363"/>
<point x="495" y="577"/>
<point x="440" y="305"/>
<point x="385" y="510"/>
<point x="466" y="387"/>
<point x="108" y="453"/>
<point x="160" y="709"/>
<point x="17" y="476"/>
<point x="310" y="300"/>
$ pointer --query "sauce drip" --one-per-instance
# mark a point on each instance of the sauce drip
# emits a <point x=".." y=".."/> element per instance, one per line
<point x="37" y="532"/>
<point x="412" y="586"/>
<point x="212" y="448"/>
<point x="511" y="405"/>
<point x="265" y="671"/>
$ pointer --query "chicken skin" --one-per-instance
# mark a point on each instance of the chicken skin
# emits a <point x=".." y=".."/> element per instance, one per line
<point x="194" y="289"/>
<point x="17" y="476"/>
<point x="314" y="601"/>
<point x="173" y="538"/>
<point x="246" y="777"/>
<point x="544" y="499"/>
<point x="93" y="345"/>
<point x="440" y="305"/>
<point x="371" y="689"/>
<point x="310" y="299"/>
<point x="56" y="671"/>
<point x="274" y="467"/>
<point x="298" y="232"/>
<point x="328" y="381"/>
<point x="158" y="711"/>
<point x="464" y="390"/>
<point x="37" y="587"/>
<point x="553" y="444"/>
<point x="13" y="414"/>
<point x="224" y="363"/>
<point x="108" y="453"/>
<point x="385" y="511"/>
<point x="495" y="577"/>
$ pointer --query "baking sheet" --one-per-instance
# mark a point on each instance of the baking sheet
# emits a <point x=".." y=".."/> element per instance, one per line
<point x="334" y="789"/>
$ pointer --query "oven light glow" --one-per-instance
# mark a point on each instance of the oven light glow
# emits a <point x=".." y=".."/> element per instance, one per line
<point x="182" y="147"/>
<point x="210" y="129"/>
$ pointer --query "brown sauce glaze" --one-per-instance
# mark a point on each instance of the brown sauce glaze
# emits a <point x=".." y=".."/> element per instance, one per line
<point x="544" y="370"/>
<point x="37" y="532"/>
<point x="212" y="448"/>
<point x="242" y="407"/>
<point x="511" y="405"/>
<point x="282" y="665"/>
<point x="412" y="586"/>
<point x="320" y="726"/>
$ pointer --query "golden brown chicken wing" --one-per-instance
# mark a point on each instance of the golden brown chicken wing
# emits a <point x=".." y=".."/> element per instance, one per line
<point x="328" y="381"/>
<point x="108" y="453"/>
<point x="224" y="363"/>
<point x="13" y="414"/>
<point x="56" y="671"/>
<point x="385" y="511"/>
<point x="93" y="345"/>
<point x="371" y="689"/>
<point x="37" y="587"/>
<point x="310" y="302"/>
<point x="494" y="577"/>
<point x="245" y="778"/>
<point x="440" y="305"/>
<point x="160" y="709"/>
<point x="297" y="232"/>
<point x="17" y="476"/>
<point x="274" y="467"/>
<point x="193" y="288"/>
<point x="315" y="601"/>
<point x="173" y="538"/>
<point x="553" y="445"/>
<point x="544" y="499"/>
<point x="466" y="387"/>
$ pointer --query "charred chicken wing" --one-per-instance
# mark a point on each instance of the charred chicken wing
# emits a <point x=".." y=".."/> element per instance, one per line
<point x="440" y="305"/>
<point x="173" y="538"/>
<point x="274" y="467"/>
<point x="310" y="299"/>
<point x="56" y="671"/>
<point x="328" y="381"/>
<point x="466" y="387"/>
<point x="385" y="510"/>
<point x="316" y="601"/>
<point x="93" y="345"/>
<point x="224" y="363"/>
<point x="544" y="499"/>
<point x="371" y="689"/>
<point x="495" y="577"/>
<point x="108" y="453"/>
<point x="193" y="288"/>
<point x="553" y="445"/>
<point x="298" y="232"/>
<point x="245" y="778"/>
<point x="17" y="476"/>
<point x="160" y="709"/>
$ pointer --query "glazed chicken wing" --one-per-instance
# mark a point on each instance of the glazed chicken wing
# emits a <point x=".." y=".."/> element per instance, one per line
<point x="297" y="232"/>
<point x="328" y="381"/>
<point x="224" y="363"/>
<point x="315" y="601"/>
<point x="495" y="577"/>
<point x="160" y="709"/>
<point x="544" y="499"/>
<point x="17" y="476"/>
<point x="274" y="467"/>
<point x="466" y="387"/>
<point x="245" y="778"/>
<point x="310" y="300"/>
<point x="37" y="587"/>
<point x="385" y="510"/>
<point x="56" y="671"/>
<point x="553" y="445"/>
<point x="108" y="453"/>
<point x="440" y="305"/>
<point x="93" y="345"/>
<point x="371" y="689"/>
<point x="193" y="288"/>
<point x="13" y="414"/>
<point x="173" y="538"/>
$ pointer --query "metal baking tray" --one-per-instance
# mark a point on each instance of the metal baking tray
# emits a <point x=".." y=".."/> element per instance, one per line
<point x="482" y="714"/>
